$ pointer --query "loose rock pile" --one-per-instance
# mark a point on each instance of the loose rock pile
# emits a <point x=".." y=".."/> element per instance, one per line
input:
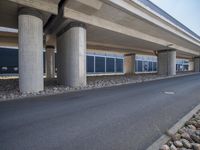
<point x="187" y="138"/>
<point x="9" y="86"/>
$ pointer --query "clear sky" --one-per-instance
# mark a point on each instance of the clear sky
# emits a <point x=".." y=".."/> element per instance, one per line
<point x="185" y="11"/>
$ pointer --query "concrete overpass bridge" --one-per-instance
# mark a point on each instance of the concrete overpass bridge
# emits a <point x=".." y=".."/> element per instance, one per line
<point x="72" y="26"/>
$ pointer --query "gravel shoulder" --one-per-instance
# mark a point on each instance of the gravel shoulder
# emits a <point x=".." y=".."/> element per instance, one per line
<point x="9" y="89"/>
<point x="187" y="137"/>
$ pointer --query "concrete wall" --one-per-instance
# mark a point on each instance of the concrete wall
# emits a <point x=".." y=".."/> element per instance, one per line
<point x="129" y="64"/>
<point x="191" y="66"/>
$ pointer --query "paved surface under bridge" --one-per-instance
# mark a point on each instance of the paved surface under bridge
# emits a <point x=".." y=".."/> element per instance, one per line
<point x="116" y="118"/>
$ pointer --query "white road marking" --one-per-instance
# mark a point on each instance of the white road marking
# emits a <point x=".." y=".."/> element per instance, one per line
<point x="169" y="92"/>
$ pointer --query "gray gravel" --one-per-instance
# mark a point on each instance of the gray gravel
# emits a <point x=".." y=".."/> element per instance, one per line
<point x="9" y="85"/>
<point x="187" y="138"/>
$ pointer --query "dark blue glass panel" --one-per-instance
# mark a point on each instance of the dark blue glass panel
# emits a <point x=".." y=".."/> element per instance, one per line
<point x="90" y="64"/>
<point x="139" y="66"/>
<point x="150" y="66"/>
<point x="178" y="67"/>
<point x="8" y="57"/>
<point x="185" y="67"/>
<point x="8" y="60"/>
<point x="119" y="65"/>
<point x="145" y="66"/>
<point x="154" y="66"/>
<point x="100" y="64"/>
<point x="10" y="69"/>
<point x="110" y="65"/>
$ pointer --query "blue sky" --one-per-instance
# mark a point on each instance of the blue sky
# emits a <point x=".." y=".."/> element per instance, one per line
<point x="185" y="11"/>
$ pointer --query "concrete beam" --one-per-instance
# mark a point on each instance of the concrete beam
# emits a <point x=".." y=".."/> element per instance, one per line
<point x="108" y="25"/>
<point x="139" y="9"/>
<point x="9" y="41"/>
<point x="43" y="5"/>
<point x="47" y="6"/>
<point x="8" y="21"/>
<point x="86" y="6"/>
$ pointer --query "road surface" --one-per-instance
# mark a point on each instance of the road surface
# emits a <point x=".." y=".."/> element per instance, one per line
<point x="128" y="117"/>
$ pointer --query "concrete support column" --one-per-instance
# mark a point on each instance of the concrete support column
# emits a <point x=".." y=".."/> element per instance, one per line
<point x="30" y="27"/>
<point x="197" y="64"/>
<point x="50" y="61"/>
<point x="71" y="55"/>
<point x="191" y="66"/>
<point x="167" y="62"/>
<point x="129" y="63"/>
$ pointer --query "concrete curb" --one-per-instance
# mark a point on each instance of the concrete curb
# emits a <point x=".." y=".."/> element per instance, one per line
<point x="165" y="138"/>
<point x="86" y="89"/>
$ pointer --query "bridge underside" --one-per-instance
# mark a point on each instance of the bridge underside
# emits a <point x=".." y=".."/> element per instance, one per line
<point x="101" y="39"/>
<point x="74" y="26"/>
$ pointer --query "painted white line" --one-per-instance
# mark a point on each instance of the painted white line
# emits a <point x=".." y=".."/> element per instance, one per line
<point x="169" y="92"/>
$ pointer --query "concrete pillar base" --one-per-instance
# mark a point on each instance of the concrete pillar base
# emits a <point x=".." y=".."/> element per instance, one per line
<point x="30" y="27"/>
<point x="167" y="62"/>
<point x="50" y="61"/>
<point x="71" y="54"/>
<point x="129" y="63"/>
<point x="197" y="64"/>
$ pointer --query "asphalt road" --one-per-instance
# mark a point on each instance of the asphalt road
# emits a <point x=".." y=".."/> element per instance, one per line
<point x="128" y="117"/>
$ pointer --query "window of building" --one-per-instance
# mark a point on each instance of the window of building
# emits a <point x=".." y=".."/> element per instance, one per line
<point x="99" y="64"/>
<point x="145" y="66"/>
<point x="119" y="65"/>
<point x="15" y="68"/>
<point x="110" y="64"/>
<point x="154" y="66"/>
<point x="90" y="64"/>
<point x="182" y="65"/>
<point x="150" y="66"/>
<point x="104" y="64"/>
<point x="145" y="63"/>
<point x="4" y="68"/>
<point x="139" y="66"/>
